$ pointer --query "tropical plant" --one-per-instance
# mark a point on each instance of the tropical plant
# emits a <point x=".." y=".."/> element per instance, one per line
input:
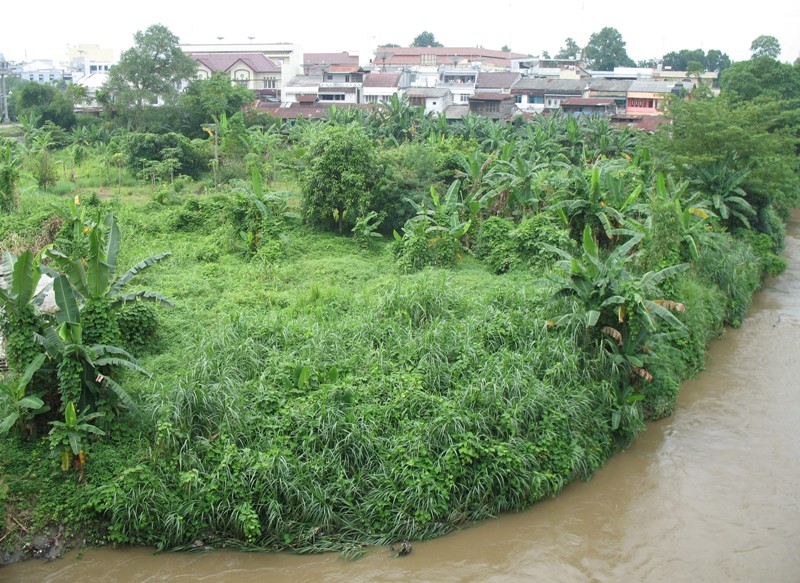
<point x="17" y="406"/>
<point x="93" y="279"/>
<point x="68" y="438"/>
<point x="722" y="182"/>
<point x="84" y="370"/>
<point x="19" y="279"/>
<point x="10" y="162"/>
<point x="607" y="293"/>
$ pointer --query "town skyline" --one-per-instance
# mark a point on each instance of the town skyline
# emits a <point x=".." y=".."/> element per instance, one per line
<point x="361" y="26"/>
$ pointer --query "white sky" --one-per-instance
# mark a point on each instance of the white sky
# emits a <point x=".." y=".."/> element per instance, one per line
<point x="44" y="29"/>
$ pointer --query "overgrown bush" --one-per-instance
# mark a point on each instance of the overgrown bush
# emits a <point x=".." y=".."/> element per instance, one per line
<point x="731" y="265"/>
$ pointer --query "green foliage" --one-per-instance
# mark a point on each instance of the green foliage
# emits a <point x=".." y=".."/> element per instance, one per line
<point x="207" y="99"/>
<point x="342" y="169"/>
<point x="425" y="39"/>
<point x="10" y="162"/>
<point x="44" y="102"/>
<point x="433" y="237"/>
<point x="20" y="321"/>
<point x="732" y="266"/>
<point x="504" y="245"/>
<point x="606" y="50"/>
<point x="68" y="438"/>
<point x="143" y="152"/>
<point x="150" y="70"/>
<point x="772" y="265"/>
<point x="17" y="406"/>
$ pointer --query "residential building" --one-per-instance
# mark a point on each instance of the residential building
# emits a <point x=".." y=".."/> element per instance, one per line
<point x="286" y="57"/>
<point x="379" y="87"/>
<point x="435" y="99"/>
<point x="43" y="71"/>
<point x="87" y="59"/>
<point x="588" y="106"/>
<point x="646" y="97"/>
<point x="537" y="95"/>
<point x="254" y="71"/>
<point x="500" y="106"/>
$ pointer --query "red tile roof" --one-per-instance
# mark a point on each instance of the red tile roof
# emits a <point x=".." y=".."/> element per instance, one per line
<point x="223" y="62"/>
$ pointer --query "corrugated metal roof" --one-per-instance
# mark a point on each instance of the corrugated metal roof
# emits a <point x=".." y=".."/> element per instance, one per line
<point x="426" y="92"/>
<point x="381" y="80"/>
<point x="499" y="80"/>
<point x="586" y="101"/>
<point x="651" y="86"/>
<point x="526" y="84"/>
<point x="491" y="96"/>
<point x="445" y="56"/>
<point x="304" y="81"/>
<point x="620" y="85"/>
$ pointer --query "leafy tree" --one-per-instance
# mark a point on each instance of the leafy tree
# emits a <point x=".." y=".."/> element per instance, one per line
<point x="505" y="49"/>
<point x="761" y="77"/>
<point x="151" y="70"/>
<point x="569" y="50"/>
<point x="707" y="131"/>
<point x="717" y="60"/>
<point x="139" y="149"/>
<point x="765" y="46"/>
<point x="341" y="172"/>
<point x="606" y="50"/>
<point x="679" y="61"/>
<point x="208" y="99"/>
<point x="426" y="39"/>
<point x="44" y="103"/>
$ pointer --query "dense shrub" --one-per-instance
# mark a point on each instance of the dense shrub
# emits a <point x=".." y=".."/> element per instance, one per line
<point x="731" y="265"/>
<point x="140" y="148"/>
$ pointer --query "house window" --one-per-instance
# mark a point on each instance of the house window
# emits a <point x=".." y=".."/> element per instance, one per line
<point x="518" y="99"/>
<point x="331" y="97"/>
<point x="493" y="107"/>
<point x="329" y="77"/>
<point x="416" y="101"/>
<point x="269" y="83"/>
<point x="463" y="98"/>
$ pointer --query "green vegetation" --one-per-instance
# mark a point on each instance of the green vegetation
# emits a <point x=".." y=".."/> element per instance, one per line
<point x="489" y="312"/>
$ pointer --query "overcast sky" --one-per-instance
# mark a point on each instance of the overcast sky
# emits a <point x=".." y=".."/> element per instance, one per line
<point x="44" y="29"/>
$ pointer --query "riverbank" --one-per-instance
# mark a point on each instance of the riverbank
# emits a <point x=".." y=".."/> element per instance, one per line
<point x="706" y="494"/>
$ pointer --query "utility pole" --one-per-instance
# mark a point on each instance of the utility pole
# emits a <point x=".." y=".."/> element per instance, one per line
<point x="4" y="70"/>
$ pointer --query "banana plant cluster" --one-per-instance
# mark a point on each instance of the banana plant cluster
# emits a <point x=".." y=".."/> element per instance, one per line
<point x="613" y="307"/>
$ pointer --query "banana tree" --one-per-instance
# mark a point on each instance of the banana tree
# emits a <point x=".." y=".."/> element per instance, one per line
<point x="99" y="292"/>
<point x="17" y="406"/>
<point x="84" y="369"/>
<point x="722" y="182"/>
<point x="607" y="293"/>
<point x="68" y="437"/>
<point x="19" y="296"/>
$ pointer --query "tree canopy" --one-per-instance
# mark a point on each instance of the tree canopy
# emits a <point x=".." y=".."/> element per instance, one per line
<point x="426" y="39"/>
<point x="152" y="69"/>
<point x="208" y="99"/>
<point x="43" y="102"/>
<point x="765" y="46"/>
<point x="761" y="77"/>
<point x="570" y="49"/>
<point x="606" y="50"/>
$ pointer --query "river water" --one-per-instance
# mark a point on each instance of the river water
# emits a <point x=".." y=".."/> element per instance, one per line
<point x="708" y="494"/>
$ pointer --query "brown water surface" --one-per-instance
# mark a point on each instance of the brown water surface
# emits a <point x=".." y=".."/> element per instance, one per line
<point x="709" y="494"/>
